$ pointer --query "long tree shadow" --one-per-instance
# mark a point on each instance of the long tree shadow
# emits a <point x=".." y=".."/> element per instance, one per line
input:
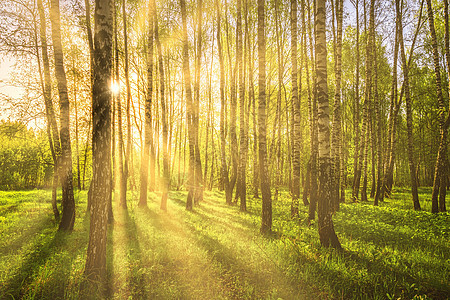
<point x="403" y="285"/>
<point x="13" y="245"/>
<point x="40" y="252"/>
<point x="228" y="214"/>
<point x="137" y="280"/>
<point x="109" y="262"/>
<point x="241" y="280"/>
<point x="237" y="279"/>
<point x="394" y="229"/>
<point x="156" y="231"/>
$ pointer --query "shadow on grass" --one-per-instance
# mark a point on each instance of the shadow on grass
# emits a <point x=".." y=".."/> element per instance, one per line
<point x="384" y="261"/>
<point x="396" y="228"/>
<point x="14" y="245"/>
<point x="40" y="252"/>
<point x="240" y="280"/>
<point x="137" y="280"/>
<point x="162" y="267"/>
<point x="228" y="214"/>
<point x="109" y="262"/>
<point x="403" y="283"/>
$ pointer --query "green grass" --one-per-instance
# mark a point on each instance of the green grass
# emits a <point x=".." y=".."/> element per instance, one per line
<point x="216" y="251"/>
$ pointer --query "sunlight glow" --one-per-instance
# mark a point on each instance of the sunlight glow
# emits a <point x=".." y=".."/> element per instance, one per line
<point x="115" y="87"/>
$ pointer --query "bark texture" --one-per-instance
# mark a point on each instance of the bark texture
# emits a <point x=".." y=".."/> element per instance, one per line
<point x="95" y="268"/>
<point x="327" y="234"/>
<point x="266" y="222"/>
<point x="68" y="200"/>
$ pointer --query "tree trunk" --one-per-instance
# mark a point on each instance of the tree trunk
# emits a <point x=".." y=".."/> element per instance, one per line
<point x="362" y="161"/>
<point x="251" y="93"/>
<point x="241" y="189"/>
<point x="148" y="134"/>
<point x="126" y="164"/>
<point x="223" y="132"/>
<point x="356" y="115"/>
<point x="233" y="107"/>
<point x="77" y="148"/>
<point x="49" y="110"/>
<point x="377" y="122"/>
<point x="276" y="136"/>
<point x="409" y="121"/>
<point x="389" y="146"/>
<point x="393" y="115"/>
<point x="255" y="131"/>
<point x="68" y="200"/>
<point x="86" y="146"/>
<point x="326" y="229"/>
<point x="198" y="176"/>
<point x="189" y="109"/>
<point x="443" y="120"/>
<point x="336" y="133"/>
<point x="266" y="222"/>
<point x="445" y="171"/>
<point x="95" y="268"/>
<point x="313" y="116"/>
<point x="166" y="158"/>
<point x="295" y="119"/>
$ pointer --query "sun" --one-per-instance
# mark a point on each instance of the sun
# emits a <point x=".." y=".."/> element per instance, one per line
<point x="115" y="87"/>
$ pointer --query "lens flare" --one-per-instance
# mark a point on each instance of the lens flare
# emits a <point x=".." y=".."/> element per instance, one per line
<point x="115" y="87"/>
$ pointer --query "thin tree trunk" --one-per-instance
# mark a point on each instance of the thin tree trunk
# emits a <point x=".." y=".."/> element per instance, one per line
<point x="314" y="118"/>
<point x="126" y="165"/>
<point x="337" y="130"/>
<point x="377" y="104"/>
<point x="326" y="229"/>
<point x="86" y="146"/>
<point x="77" y="151"/>
<point x="443" y="120"/>
<point x="389" y="148"/>
<point x="122" y="178"/>
<point x="223" y="132"/>
<point x="166" y="158"/>
<point x="148" y="134"/>
<point x="189" y="108"/>
<point x="266" y="221"/>
<point x="373" y="142"/>
<point x="241" y="191"/>
<point x="356" y="114"/>
<point x="68" y="200"/>
<point x="233" y="107"/>
<point x="198" y="176"/>
<point x="209" y="126"/>
<point x="295" y="119"/>
<point x="362" y="161"/>
<point x="49" y="110"/>
<point x="445" y="171"/>
<point x="255" y="132"/>
<point x="409" y="121"/>
<point x="248" y="62"/>
<point x="276" y="137"/>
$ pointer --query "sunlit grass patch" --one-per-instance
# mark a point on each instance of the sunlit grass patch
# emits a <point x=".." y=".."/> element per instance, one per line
<point x="389" y="251"/>
<point x="217" y="252"/>
<point x="40" y="263"/>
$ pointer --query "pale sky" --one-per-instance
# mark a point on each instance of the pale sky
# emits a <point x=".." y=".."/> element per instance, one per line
<point x="6" y="66"/>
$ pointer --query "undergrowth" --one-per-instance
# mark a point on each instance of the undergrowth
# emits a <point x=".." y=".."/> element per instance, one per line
<point x="216" y="251"/>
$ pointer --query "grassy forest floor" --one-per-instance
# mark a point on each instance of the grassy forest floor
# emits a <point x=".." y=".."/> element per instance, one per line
<point x="216" y="252"/>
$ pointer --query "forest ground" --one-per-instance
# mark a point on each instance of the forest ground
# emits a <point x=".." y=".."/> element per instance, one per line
<point x="216" y="251"/>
